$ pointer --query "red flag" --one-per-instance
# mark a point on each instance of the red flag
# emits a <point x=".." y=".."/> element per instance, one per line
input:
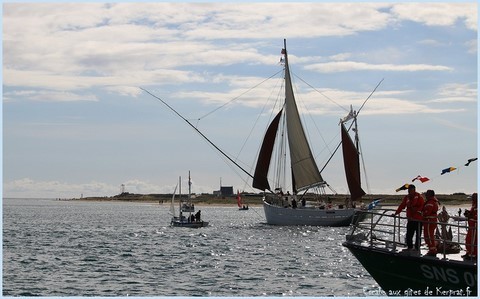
<point x="422" y="179"/>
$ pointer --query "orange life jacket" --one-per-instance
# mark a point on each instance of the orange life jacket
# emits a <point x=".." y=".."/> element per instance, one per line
<point x="414" y="206"/>
<point x="430" y="209"/>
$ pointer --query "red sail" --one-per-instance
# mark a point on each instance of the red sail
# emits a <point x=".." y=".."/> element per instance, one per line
<point x="260" y="180"/>
<point x="239" y="199"/>
<point x="352" y="166"/>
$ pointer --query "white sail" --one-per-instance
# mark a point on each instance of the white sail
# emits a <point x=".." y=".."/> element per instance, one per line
<point x="304" y="169"/>
<point x="172" y="207"/>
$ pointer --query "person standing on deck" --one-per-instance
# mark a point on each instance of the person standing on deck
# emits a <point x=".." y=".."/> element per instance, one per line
<point x="429" y="212"/>
<point x="414" y="204"/>
<point x="471" y="239"/>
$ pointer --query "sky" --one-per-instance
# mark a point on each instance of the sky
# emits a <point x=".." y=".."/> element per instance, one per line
<point x="77" y="123"/>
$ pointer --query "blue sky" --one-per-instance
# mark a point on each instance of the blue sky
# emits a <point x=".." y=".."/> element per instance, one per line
<point x="75" y="121"/>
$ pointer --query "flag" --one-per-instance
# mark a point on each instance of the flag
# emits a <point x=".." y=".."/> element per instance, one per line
<point x="470" y="161"/>
<point x="422" y="179"/>
<point x="373" y="204"/>
<point x="350" y="115"/>
<point x="404" y="187"/>
<point x="284" y="52"/>
<point x="449" y="169"/>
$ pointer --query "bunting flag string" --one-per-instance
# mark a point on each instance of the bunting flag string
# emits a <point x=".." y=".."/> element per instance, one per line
<point x="425" y="179"/>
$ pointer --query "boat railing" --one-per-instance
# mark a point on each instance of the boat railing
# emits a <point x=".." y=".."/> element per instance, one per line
<point x="380" y="227"/>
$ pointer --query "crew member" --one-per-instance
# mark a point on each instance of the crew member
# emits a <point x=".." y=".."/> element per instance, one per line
<point x="429" y="212"/>
<point x="413" y="201"/>
<point x="471" y="239"/>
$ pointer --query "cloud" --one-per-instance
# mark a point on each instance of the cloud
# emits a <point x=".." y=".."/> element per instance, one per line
<point x="456" y="93"/>
<point x="472" y="46"/>
<point x="72" y="47"/>
<point x="30" y="188"/>
<point x="438" y="14"/>
<point x="347" y="66"/>
<point x="47" y="96"/>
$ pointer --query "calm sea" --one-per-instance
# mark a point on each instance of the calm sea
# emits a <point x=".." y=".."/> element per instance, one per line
<point x="73" y="248"/>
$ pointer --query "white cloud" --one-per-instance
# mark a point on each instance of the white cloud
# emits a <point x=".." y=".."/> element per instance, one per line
<point x="455" y="93"/>
<point x="438" y="14"/>
<point x="75" y="46"/>
<point x="346" y="66"/>
<point x="30" y="188"/>
<point x="47" y="96"/>
<point x="472" y="46"/>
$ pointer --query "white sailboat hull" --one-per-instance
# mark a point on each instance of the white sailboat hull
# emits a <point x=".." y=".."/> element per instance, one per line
<point x="278" y="215"/>
<point x="177" y="222"/>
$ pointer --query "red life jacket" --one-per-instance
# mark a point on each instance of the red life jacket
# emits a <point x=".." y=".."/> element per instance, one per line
<point x="430" y="209"/>
<point x="414" y="206"/>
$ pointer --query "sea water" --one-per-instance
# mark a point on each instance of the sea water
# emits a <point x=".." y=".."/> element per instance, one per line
<point x="80" y="248"/>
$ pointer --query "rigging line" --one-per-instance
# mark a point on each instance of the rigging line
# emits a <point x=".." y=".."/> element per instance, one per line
<point x="340" y="143"/>
<point x="364" y="102"/>
<point x="237" y="97"/>
<point x="255" y="124"/>
<point x="364" y="168"/>
<point x="198" y="131"/>
<point x="321" y="93"/>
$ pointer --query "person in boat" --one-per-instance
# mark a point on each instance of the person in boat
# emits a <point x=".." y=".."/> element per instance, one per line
<point x="192" y="218"/>
<point x="429" y="213"/>
<point x="294" y="203"/>
<point x="304" y="202"/>
<point x="471" y="239"/>
<point x="197" y="216"/>
<point x="413" y="201"/>
<point x="329" y="204"/>
<point x="286" y="200"/>
<point x="443" y="218"/>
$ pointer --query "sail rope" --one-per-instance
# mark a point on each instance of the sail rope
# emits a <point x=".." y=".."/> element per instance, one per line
<point x="324" y="95"/>
<point x="363" y="166"/>
<point x="340" y="143"/>
<point x="237" y="97"/>
<point x="198" y="131"/>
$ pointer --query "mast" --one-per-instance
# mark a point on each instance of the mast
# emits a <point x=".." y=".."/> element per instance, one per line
<point x="189" y="186"/>
<point x="180" y="195"/>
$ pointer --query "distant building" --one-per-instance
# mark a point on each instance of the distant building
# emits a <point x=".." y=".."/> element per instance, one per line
<point x="224" y="192"/>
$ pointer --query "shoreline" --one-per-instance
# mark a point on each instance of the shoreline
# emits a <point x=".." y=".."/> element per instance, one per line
<point x="256" y="199"/>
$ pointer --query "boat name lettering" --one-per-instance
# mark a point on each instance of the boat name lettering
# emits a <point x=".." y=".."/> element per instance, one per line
<point x="442" y="274"/>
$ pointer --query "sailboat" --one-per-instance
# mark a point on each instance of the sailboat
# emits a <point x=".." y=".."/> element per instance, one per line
<point x="240" y="204"/>
<point x="292" y="209"/>
<point x="190" y="218"/>
<point x="284" y="209"/>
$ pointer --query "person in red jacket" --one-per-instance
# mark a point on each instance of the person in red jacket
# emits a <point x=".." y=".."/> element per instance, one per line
<point x="471" y="239"/>
<point x="414" y="204"/>
<point x="429" y="213"/>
